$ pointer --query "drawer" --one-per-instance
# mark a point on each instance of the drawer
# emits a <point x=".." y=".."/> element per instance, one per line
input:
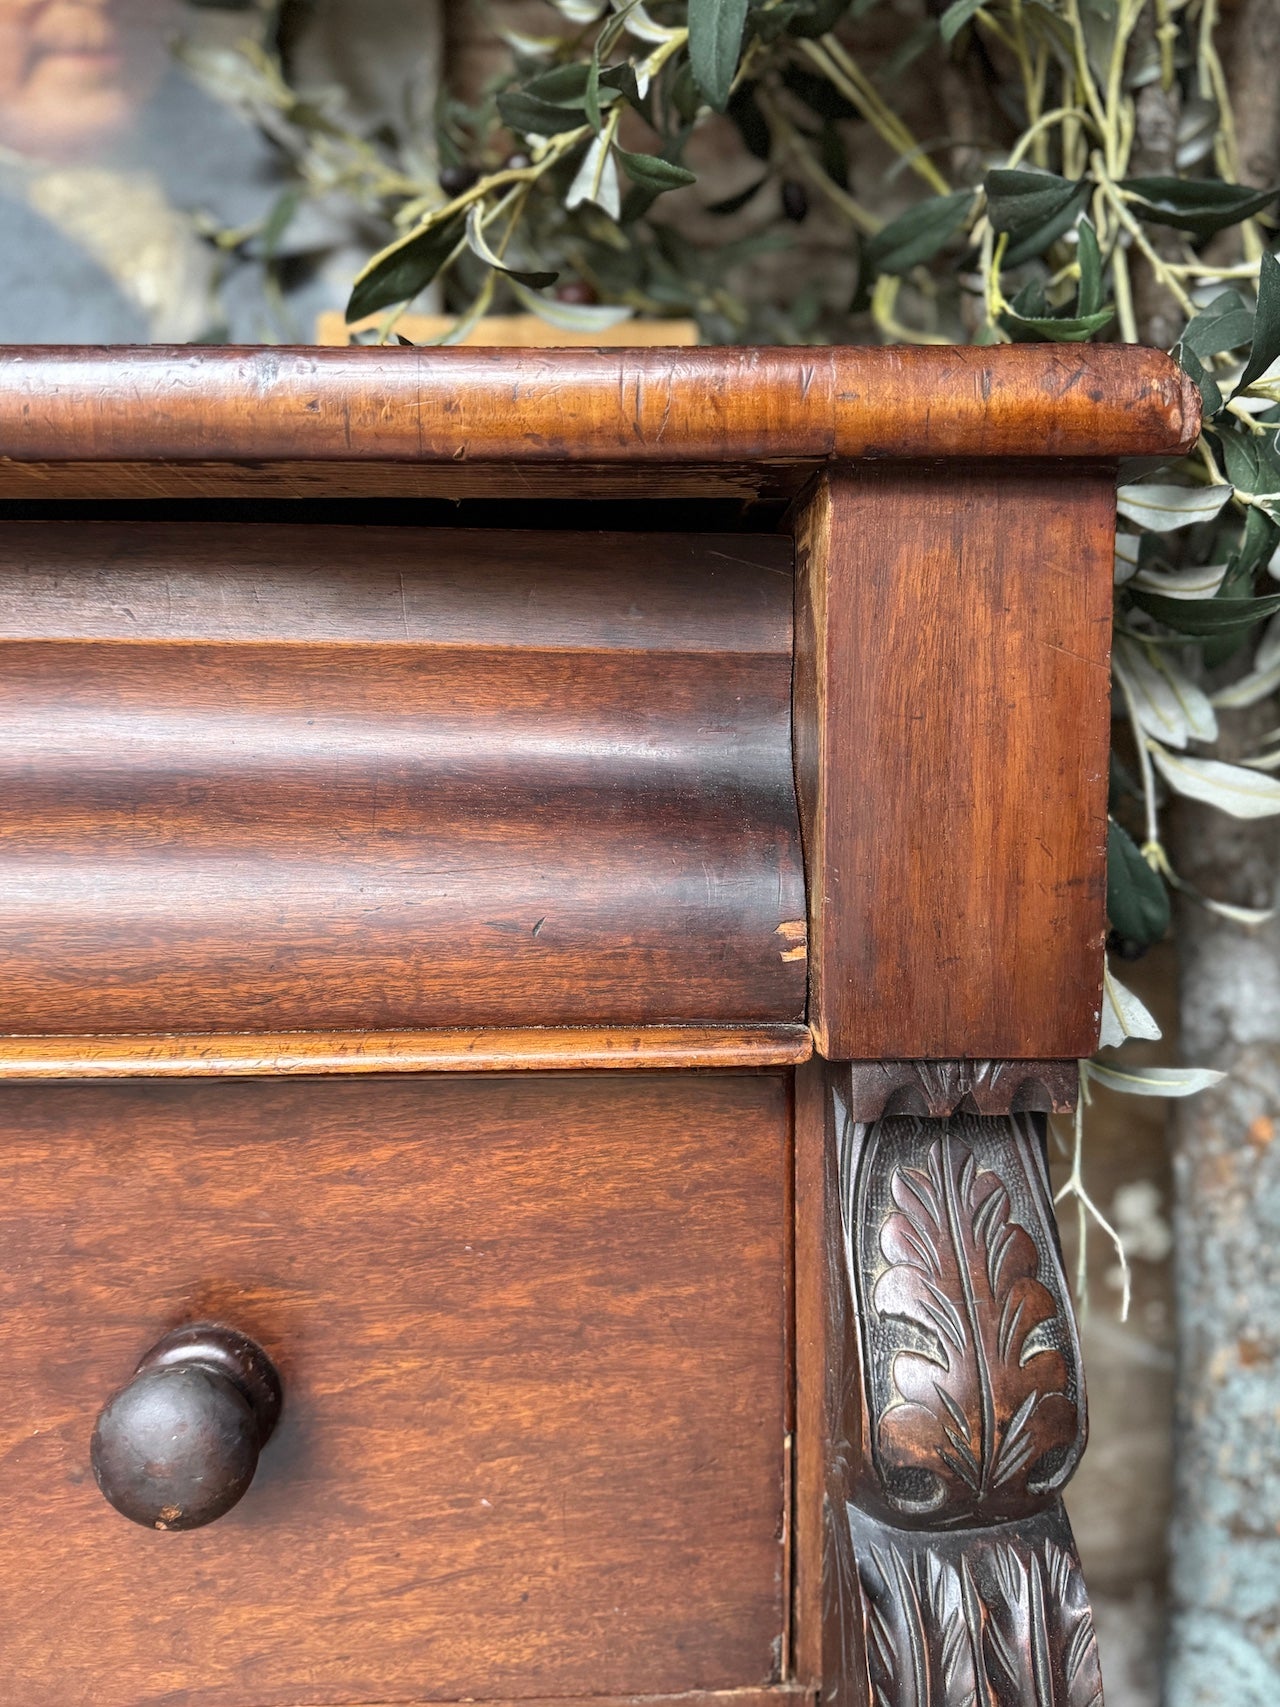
<point x="532" y="1334"/>
<point x="303" y="777"/>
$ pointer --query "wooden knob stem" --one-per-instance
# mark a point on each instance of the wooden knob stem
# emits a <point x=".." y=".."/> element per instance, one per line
<point x="178" y="1446"/>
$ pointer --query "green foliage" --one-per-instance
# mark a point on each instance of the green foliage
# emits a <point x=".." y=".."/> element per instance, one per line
<point x="405" y="267"/>
<point x="917" y="235"/>
<point x="1032" y="210"/>
<point x="1137" y="900"/>
<point x="715" y="42"/>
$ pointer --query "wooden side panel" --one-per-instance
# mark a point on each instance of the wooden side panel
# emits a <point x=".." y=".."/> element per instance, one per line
<point x="532" y="1335"/>
<point x="952" y="707"/>
<point x="334" y="779"/>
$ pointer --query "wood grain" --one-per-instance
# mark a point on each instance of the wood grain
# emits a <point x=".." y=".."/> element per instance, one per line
<point x="515" y="780"/>
<point x="495" y="1474"/>
<point x="951" y="739"/>
<point x="375" y="477"/>
<point x="939" y="1411"/>
<point x="475" y="588"/>
<point x="940" y="1088"/>
<point x="660" y="407"/>
<point x="287" y="1054"/>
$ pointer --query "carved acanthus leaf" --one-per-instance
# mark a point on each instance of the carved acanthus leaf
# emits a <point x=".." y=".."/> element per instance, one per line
<point x="983" y="1403"/>
<point x="997" y="1619"/>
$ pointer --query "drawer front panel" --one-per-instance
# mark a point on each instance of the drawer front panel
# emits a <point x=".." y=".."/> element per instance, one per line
<point x="303" y="777"/>
<point x="532" y="1335"/>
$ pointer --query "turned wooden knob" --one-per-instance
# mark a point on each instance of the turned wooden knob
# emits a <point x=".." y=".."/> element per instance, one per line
<point x="178" y="1446"/>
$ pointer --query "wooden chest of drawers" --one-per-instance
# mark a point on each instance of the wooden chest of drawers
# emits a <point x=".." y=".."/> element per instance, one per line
<point x="546" y="897"/>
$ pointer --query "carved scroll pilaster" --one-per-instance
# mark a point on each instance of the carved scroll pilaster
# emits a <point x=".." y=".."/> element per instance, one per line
<point x="964" y="1415"/>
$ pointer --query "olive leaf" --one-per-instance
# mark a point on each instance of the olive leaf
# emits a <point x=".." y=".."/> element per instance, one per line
<point x="715" y="41"/>
<point x="1233" y="789"/>
<point x="916" y="235"/>
<point x="1123" y="1015"/>
<point x="404" y="268"/>
<point x="1266" y="331"/>
<point x="531" y="117"/>
<point x="1137" y="900"/>
<point x="1033" y="208"/>
<point x="1089" y="256"/>
<point x="652" y="172"/>
<point x="478" y="243"/>
<point x="1205" y="383"/>
<point x="1224" y="325"/>
<point x="1153" y="1081"/>
<point x="1207" y="617"/>
<point x="956" y="16"/>
<point x="1199" y="205"/>
<point x="1162" y="508"/>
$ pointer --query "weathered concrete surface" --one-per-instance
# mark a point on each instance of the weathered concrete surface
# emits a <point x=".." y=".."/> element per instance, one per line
<point x="1224" y="1643"/>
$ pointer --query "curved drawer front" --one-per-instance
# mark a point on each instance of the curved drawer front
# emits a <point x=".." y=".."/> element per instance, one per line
<point x="531" y="1334"/>
<point x="314" y="777"/>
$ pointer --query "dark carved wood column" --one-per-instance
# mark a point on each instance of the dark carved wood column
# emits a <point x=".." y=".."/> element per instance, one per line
<point x="951" y="731"/>
<point x="938" y="1568"/>
<point x="972" y="1413"/>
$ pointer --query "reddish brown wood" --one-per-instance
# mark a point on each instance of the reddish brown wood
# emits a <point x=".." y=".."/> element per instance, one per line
<point x="951" y="738"/>
<point x="281" y="1054"/>
<point x="939" y="1088"/>
<point x="514" y="780"/>
<point x="777" y="1695"/>
<point x="531" y="1335"/>
<point x="566" y="482"/>
<point x="940" y="1411"/>
<point x="659" y="407"/>
<point x="477" y="589"/>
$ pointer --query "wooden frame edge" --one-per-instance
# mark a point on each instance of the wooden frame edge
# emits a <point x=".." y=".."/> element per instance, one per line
<point x="281" y="1054"/>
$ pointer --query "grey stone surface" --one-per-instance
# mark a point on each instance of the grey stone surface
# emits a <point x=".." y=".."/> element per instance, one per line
<point x="1225" y="1543"/>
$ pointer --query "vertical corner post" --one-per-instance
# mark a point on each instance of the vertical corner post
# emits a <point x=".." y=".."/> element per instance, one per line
<point x="951" y="729"/>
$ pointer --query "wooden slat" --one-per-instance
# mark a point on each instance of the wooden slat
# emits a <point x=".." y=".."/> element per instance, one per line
<point x="256" y="1055"/>
<point x="656" y="407"/>
<point x="951" y="732"/>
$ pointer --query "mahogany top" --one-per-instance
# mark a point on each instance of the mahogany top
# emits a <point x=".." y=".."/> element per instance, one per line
<point x="658" y="407"/>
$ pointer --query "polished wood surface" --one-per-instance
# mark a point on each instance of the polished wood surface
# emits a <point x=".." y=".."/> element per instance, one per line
<point x="287" y="1054"/>
<point x="471" y="588"/>
<point x="532" y="1336"/>
<point x="940" y="1410"/>
<point x="343" y="778"/>
<point x="952" y="721"/>
<point x="655" y="407"/>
